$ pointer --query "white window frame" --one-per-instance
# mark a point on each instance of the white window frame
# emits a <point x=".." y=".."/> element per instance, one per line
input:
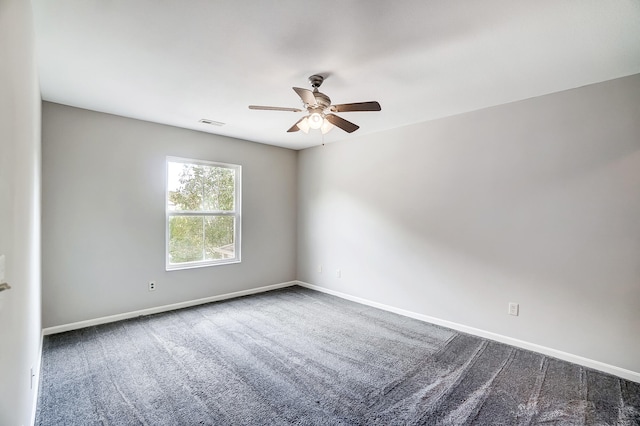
<point x="236" y="213"/>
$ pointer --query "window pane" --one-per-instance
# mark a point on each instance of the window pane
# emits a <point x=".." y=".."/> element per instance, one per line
<point x="185" y="239"/>
<point x="219" y="237"/>
<point x="185" y="186"/>
<point x="195" y="187"/>
<point x="203" y="211"/>
<point x="219" y="188"/>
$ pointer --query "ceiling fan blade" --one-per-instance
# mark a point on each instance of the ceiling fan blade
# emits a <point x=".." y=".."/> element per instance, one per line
<point x="345" y="125"/>
<point x="293" y="128"/>
<point x="300" y="125"/>
<point x="272" y="108"/>
<point x="303" y="124"/>
<point x="358" y="106"/>
<point x="306" y="95"/>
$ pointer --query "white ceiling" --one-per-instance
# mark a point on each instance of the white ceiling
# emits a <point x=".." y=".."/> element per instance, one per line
<point x="175" y="62"/>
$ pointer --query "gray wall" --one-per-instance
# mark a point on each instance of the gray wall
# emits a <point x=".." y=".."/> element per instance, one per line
<point x="535" y="202"/>
<point x="19" y="212"/>
<point x="104" y="215"/>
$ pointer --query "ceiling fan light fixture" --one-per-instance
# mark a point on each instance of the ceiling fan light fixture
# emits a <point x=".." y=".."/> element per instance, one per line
<point x="315" y="120"/>
<point x="326" y="127"/>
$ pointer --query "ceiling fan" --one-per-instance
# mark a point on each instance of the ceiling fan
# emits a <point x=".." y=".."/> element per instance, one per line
<point x="320" y="111"/>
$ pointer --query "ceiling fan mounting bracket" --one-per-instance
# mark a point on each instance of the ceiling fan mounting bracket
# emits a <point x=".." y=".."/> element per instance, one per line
<point x="316" y="81"/>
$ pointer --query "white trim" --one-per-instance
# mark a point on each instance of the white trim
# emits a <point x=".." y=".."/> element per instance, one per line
<point x="576" y="359"/>
<point x="36" y="382"/>
<point x="165" y="308"/>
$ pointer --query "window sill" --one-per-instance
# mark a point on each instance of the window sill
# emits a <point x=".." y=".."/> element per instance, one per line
<point x="194" y="265"/>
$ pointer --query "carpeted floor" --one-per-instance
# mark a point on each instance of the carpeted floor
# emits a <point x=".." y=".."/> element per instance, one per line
<point x="296" y="356"/>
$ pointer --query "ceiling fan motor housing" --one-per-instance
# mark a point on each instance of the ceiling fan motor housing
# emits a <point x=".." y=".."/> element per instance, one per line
<point x="322" y="100"/>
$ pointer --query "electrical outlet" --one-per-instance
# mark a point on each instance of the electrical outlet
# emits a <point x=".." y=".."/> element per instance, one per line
<point x="513" y="309"/>
<point x="319" y="269"/>
<point x="152" y="286"/>
<point x="338" y="273"/>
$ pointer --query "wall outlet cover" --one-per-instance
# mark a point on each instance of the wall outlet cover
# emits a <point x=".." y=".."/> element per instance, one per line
<point x="513" y="309"/>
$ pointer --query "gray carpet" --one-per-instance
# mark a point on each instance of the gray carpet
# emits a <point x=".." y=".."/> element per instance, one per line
<point x="296" y="356"/>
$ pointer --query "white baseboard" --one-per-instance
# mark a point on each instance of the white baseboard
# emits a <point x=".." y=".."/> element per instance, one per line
<point x="576" y="359"/>
<point x="159" y="309"/>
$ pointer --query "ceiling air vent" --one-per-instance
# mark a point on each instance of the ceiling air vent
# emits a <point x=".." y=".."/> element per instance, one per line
<point x="211" y="122"/>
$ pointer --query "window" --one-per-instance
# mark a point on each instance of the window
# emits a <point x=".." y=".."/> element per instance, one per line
<point x="203" y="213"/>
